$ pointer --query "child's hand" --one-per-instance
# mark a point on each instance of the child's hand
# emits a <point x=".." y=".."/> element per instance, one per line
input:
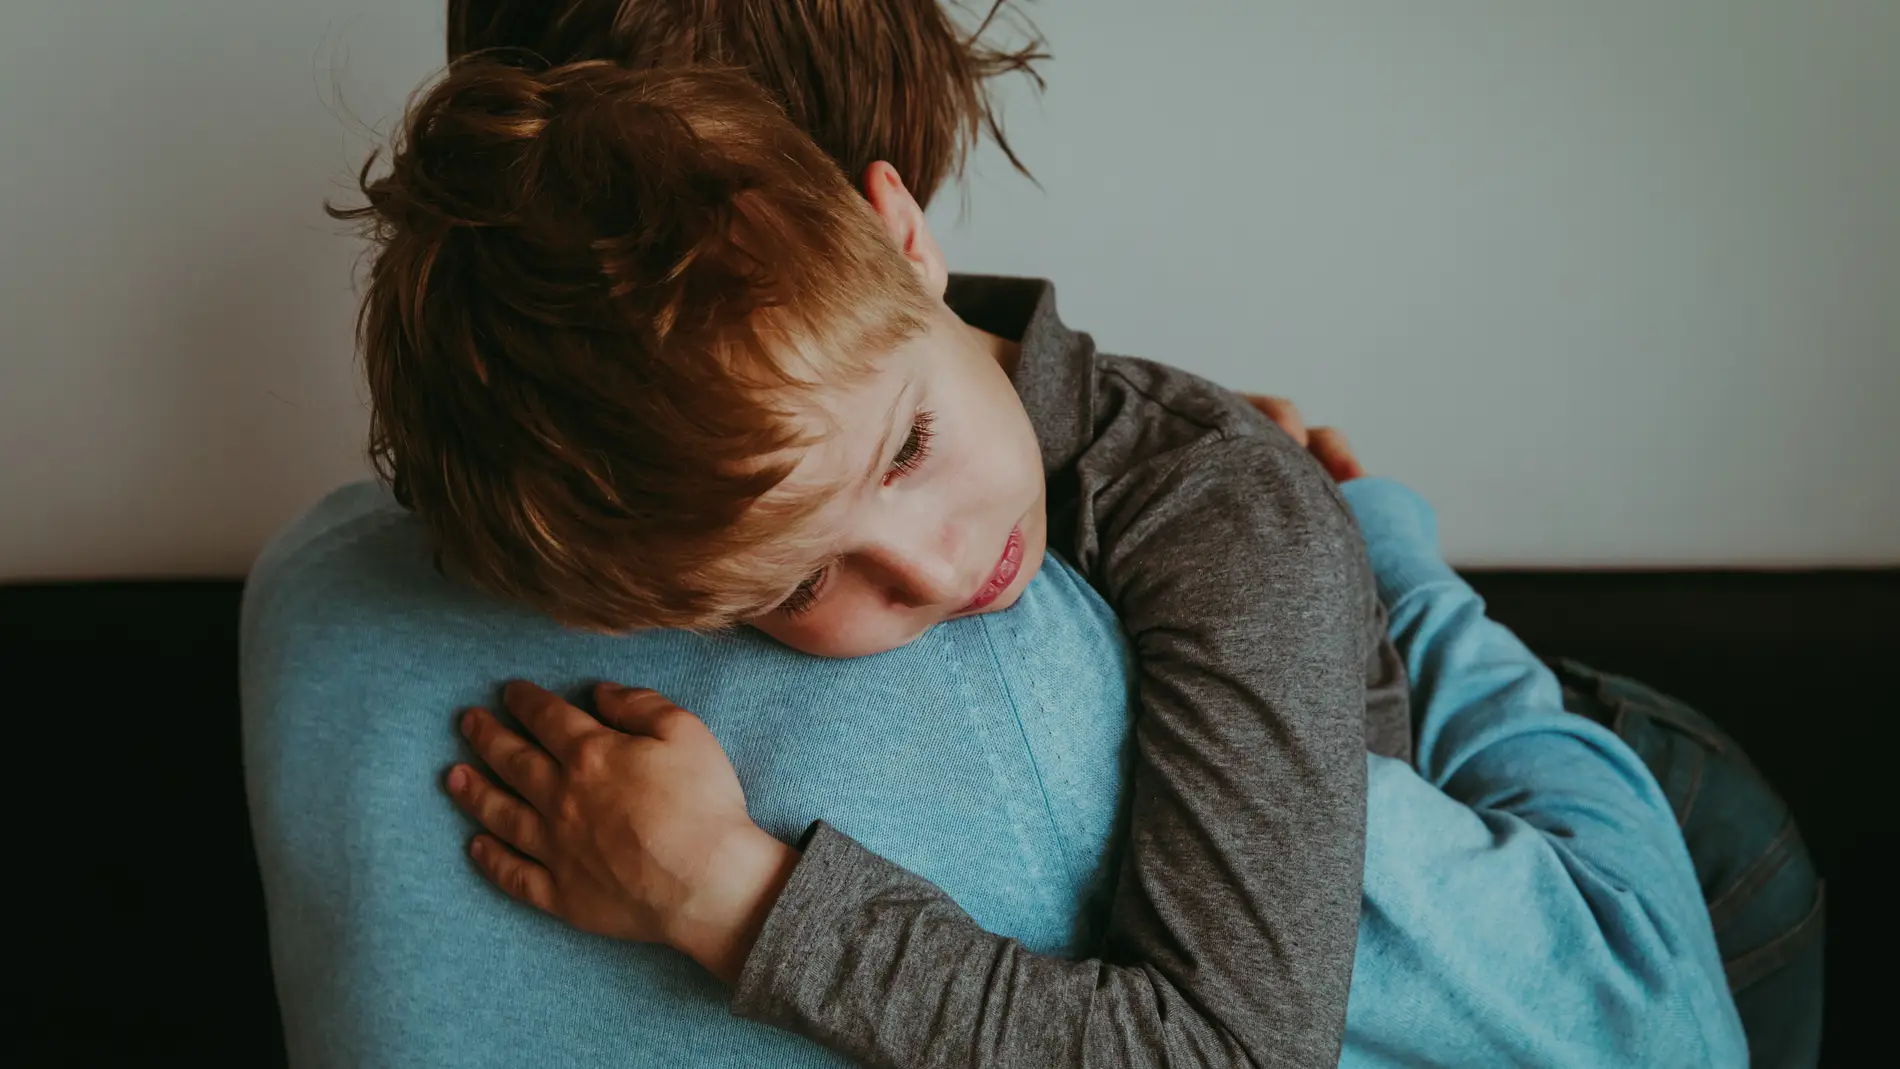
<point x="631" y="826"/>
<point x="1327" y="445"/>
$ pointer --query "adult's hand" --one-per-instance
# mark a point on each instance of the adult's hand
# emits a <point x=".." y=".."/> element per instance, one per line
<point x="632" y="825"/>
<point x="1328" y="446"/>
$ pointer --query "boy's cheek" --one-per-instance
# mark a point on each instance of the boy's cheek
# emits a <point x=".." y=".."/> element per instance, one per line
<point x="795" y="633"/>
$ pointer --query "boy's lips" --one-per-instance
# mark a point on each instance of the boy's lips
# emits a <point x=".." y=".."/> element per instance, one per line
<point x="1007" y="566"/>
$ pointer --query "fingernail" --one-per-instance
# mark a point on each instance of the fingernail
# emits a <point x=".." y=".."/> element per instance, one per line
<point x="477" y="848"/>
<point x="458" y="779"/>
<point x="468" y="722"/>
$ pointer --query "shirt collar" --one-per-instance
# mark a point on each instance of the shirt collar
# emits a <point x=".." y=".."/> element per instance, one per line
<point x="1055" y="370"/>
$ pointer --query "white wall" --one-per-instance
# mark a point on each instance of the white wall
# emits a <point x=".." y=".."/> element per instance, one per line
<point x="178" y="375"/>
<point x="1615" y="282"/>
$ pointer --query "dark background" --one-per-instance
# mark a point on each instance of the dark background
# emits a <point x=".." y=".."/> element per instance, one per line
<point x="144" y="922"/>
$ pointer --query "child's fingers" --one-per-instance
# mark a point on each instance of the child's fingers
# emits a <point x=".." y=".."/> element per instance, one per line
<point x="635" y="710"/>
<point x="1281" y="411"/>
<point x="518" y="762"/>
<point x="554" y="723"/>
<point x="522" y="879"/>
<point x="507" y="817"/>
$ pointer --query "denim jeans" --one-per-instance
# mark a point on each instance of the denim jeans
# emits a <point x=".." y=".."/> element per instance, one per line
<point x="1766" y="901"/>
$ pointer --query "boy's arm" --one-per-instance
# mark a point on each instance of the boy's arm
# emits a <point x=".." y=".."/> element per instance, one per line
<point x="1546" y="862"/>
<point x="1244" y="584"/>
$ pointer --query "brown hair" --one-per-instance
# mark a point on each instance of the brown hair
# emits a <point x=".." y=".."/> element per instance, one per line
<point x="592" y="299"/>
<point x="870" y="80"/>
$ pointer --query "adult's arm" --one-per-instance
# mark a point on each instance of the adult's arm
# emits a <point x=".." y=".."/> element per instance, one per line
<point x="1243" y="583"/>
<point x="1529" y="899"/>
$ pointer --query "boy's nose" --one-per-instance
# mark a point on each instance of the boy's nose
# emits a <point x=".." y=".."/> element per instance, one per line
<point x="918" y="577"/>
<point x="932" y="580"/>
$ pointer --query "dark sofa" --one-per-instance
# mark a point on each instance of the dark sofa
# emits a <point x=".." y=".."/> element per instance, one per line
<point x="144" y="926"/>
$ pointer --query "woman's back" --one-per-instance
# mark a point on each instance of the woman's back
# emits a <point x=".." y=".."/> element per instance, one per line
<point x="987" y="756"/>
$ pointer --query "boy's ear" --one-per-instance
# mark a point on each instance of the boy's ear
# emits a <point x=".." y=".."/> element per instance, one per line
<point x="904" y="221"/>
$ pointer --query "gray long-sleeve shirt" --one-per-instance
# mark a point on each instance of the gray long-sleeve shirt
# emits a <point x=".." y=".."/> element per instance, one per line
<point x="1242" y="580"/>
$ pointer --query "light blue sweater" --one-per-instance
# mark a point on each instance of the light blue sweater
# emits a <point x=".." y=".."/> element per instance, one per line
<point x="1527" y="898"/>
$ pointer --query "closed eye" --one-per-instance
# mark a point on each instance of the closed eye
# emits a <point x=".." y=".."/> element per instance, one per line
<point x="800" y="600"/>
<point x="915" y="449"/>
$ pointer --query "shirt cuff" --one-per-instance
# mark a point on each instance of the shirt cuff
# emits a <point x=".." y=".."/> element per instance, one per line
<point x="802" y="934"/>
<point x="1401" y="533"/>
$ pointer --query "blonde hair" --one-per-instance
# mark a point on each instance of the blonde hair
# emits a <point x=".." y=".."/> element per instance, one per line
<point x="589" y="290"/>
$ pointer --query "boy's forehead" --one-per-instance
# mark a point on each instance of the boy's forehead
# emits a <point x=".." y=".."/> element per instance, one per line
<point x="846" y="418"/>
<point x="845" y="429"/>
<point x="851" y="416"/>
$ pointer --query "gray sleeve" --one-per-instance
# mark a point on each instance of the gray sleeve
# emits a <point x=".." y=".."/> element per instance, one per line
<point x="1388" y="695"/>
<point x="1244" y="584"/>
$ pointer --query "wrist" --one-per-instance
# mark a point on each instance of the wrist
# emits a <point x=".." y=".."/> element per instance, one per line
<point x="718" y="925"/>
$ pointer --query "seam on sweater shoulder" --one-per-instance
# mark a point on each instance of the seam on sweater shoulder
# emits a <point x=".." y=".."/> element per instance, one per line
<point x="1216" y="435"/>
<point x="1020" y="819"/>
<point x="1138" y="390"/>
<point x="1063" y="845"/>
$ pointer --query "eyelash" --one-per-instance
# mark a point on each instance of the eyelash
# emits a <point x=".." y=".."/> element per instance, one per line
<point x="800" y="601"/>
<point x="910" y="456"/>
<point x="915" y="448"/>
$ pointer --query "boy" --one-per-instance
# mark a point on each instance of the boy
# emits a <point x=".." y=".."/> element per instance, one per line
<point x="1527" y="899"/>
<point x="641" y="357"/>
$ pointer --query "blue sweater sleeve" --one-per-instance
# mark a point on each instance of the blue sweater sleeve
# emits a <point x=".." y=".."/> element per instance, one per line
<point x="1529" y="898"/>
